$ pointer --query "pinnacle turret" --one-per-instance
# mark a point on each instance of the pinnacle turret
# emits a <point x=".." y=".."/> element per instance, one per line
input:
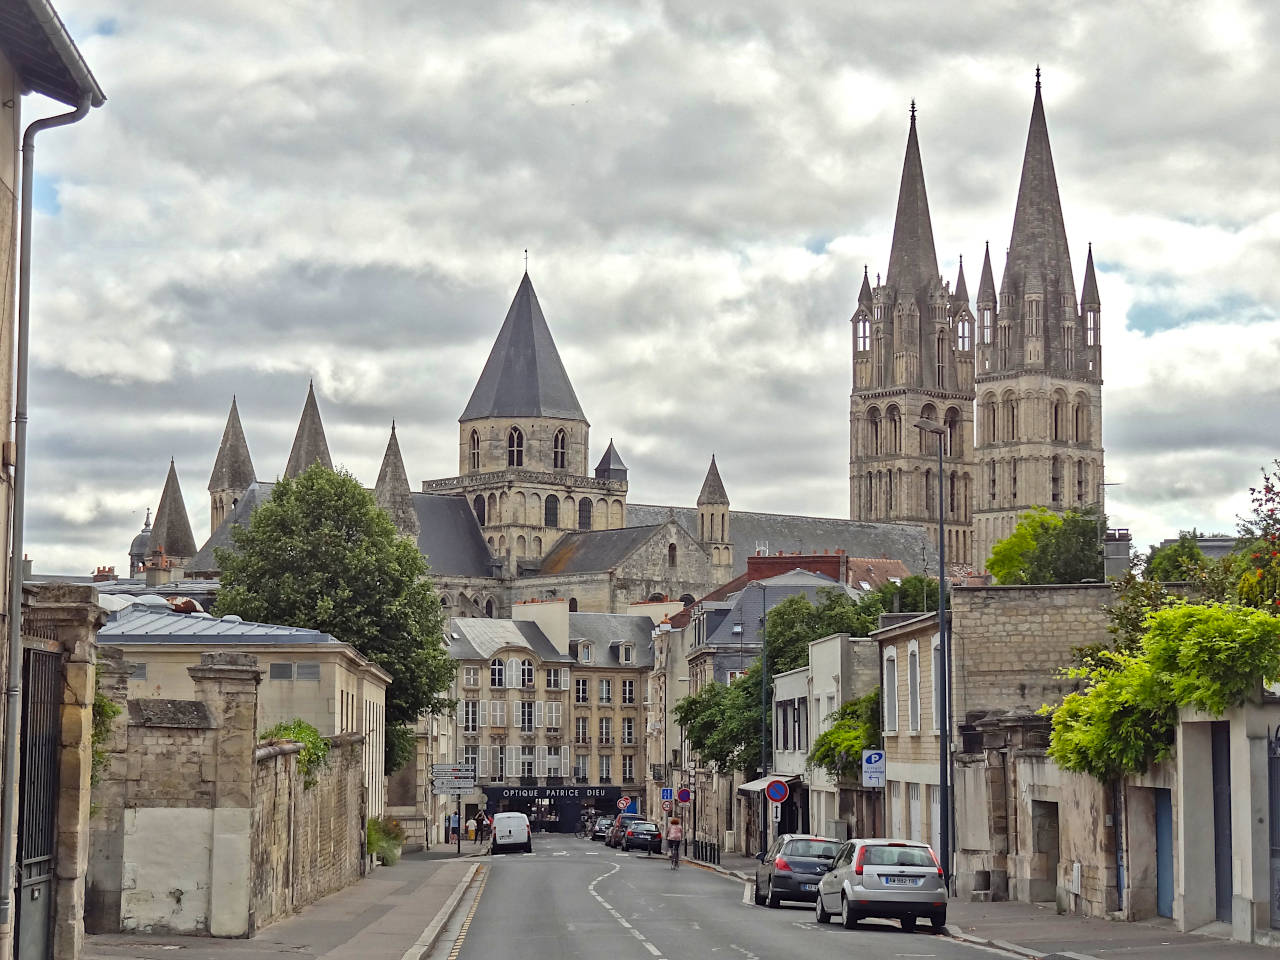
<point x="913" y="262"/>
<point x="1089" y="295"/>
<point x="233" y="468"/>
<point x="611" y="466"/>
<point x="309" y="444"/>
<point x="171" y="532"/>
<point x="712" y="487"/>
<point x="393" y="493"/>
<point x="961" y="293"/>
<point x="987" y="283"/>
<point x="865" y="298"/>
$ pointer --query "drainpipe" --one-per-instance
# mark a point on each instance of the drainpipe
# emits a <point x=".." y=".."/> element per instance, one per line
<point x="13" y="692"/>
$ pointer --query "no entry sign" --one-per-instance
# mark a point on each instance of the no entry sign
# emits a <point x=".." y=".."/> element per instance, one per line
<point x="777" y="790"/>
<point x="624" y="802"/>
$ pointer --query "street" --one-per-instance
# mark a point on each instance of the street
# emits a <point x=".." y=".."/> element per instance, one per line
<point x="574" y="898"/>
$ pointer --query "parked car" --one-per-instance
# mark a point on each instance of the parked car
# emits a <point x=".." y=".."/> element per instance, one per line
<point x="600" y="829"/>
<point x="642" y="835"/>
<point x="619" y="826"/>
<point x="792" y="867"/>
<point x="511" y="830"/>
<point x="884" y="878"/>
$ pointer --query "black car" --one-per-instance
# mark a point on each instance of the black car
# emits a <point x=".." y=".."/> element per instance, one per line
<point x="792" y="867"/>
<point x="600" y="828"/>
<point x="642" y="835"/>
<point x="619" y="827"/>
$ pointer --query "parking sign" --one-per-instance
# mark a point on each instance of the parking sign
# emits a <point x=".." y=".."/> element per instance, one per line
<point x="873" y="768"/>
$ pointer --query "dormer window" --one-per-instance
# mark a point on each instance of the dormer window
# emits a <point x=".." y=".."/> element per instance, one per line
<point x="584" y="652"/>
<point x="627" y="653"/>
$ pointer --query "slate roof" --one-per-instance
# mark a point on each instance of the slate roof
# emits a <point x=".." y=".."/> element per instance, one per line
<point x="148" y="624"/>
<point x="611" y="466"/>
<point x="478" y="638"/>
<point x="987" y="284"/>
<point x="35" y="41"/>
<point x="712" y="487"/>
<point x="1089" y="296"/>
<point x="864" y="295"/>
<point x="1038" y="261"/>
<point x="203" y="561"/>
<point x="393" y="493"/>
<point x="750" y="606"/>
<point x="608" y="632"/>
<point x="913" y="262"/>
<point x="171" y="531"/>
<point x="524" y="376"/>
<point x="961" y="293"/>
<point x="774" y="531"/>
<point x="309" y="443"/>
<point x="233" y="469"/>
<point x="595" y="551"/>
<point x="138" y="548"/>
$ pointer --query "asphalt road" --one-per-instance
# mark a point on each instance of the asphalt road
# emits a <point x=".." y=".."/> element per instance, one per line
<point x="573" y="898"/>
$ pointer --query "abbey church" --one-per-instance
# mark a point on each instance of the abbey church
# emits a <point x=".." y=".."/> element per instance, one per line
<point x="1015" y="389"/>
<point x="1011" y="388"/>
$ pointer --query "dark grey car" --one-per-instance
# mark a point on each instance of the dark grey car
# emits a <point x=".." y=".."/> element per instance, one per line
<point x="792" y="867"/>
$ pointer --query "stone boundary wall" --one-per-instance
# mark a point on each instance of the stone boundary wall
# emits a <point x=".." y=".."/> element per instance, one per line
<point x="307" y="841"/>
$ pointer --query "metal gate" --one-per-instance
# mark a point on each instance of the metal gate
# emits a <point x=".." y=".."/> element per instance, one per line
<point x="41" y="707"/>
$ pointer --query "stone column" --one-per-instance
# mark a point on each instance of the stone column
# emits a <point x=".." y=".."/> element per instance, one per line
<point x="228" y="684"/>
<point x="106" y="826"/>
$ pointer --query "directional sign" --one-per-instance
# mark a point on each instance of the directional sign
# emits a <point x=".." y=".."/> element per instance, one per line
<point x="453" y="769"/>
<point x="666" y="806"/>
<point x="668" y="793"/>
<point x="777" y="790"/>
<point x="453" y="784"/>
<point x="684" y="795"/>
<point x="452" y="791"/>
<point x="873" y="768"/>
<point x="624" y="802"/>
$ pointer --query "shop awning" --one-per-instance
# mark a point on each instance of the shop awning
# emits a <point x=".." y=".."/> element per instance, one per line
<point x="755" y="786"/>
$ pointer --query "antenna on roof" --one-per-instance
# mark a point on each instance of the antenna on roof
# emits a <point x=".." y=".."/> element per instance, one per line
<point x="526" y="259"/>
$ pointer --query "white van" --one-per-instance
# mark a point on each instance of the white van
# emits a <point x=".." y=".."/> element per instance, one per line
<point x="511" y="830"/>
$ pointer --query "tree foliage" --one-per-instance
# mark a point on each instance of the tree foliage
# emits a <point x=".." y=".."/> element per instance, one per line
<point x="795" y="622"/>
<point x="722" y="722"/>
<point x="1177" y="561"/>
<point x="315" y="748"/>
<point x="856" y="727"/>
<point x="1047" y="547"/>
<point x="1259" y="583"/>
<point x="321" y="554"/>
<point x="914" y="593"/>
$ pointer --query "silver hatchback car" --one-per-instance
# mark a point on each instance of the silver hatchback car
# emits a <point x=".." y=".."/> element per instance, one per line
<point x="896" y="879"/>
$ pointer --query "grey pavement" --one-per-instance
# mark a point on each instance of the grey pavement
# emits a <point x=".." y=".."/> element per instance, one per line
<point x="380" y="918"/>
<point x="1038" y="930"/>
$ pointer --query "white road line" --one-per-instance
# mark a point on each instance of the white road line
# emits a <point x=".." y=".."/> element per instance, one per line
<point x="652" y="949"/>
<point x="746" y="893"/>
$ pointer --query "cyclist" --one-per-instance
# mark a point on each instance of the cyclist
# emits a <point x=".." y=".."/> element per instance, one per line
<point x="675" y="834"/>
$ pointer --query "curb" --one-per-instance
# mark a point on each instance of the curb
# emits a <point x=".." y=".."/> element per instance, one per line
<point x="955" y="933"/>
<point x="427" y="940"/>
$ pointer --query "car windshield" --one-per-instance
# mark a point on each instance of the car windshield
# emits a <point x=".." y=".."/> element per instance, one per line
<point x="603" y="822"/>
<point x="897" y="857"/>
<point x="644" y="826"/>
<point x="822" y="849"/>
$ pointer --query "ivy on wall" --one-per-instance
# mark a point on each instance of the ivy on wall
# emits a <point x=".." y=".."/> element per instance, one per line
<point x="315" y="749"/>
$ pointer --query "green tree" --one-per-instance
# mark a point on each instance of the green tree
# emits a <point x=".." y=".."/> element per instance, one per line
<point x="1259" y="583"/>
<point x="856" y="727"/>
<point x="1047" y="547"/>
<point x="722" y="722"/>
<point x="321" y="554"/>
<point x="914" y="593"/>
<point x="1177" y="561"/>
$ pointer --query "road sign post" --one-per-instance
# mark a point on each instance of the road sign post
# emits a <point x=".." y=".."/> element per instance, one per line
<point x="777" y="790"/>
<point x="624" y="802"/>
<point x="666" y="806"/>
<point x="668" y="793"/>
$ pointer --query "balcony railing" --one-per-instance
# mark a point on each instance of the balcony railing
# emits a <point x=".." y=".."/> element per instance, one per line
<point x="582" y="740"/>
<point x="606" y="779"/>
<point x="606" y="741"/>
<point x="626" y="779"/>
<point x="628" y="741"/>
<point x="580" y="779"/>
<point x="605" y="701"/>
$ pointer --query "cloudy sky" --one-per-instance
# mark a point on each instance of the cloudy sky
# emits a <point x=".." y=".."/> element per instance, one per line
<point x="344" y="191"/>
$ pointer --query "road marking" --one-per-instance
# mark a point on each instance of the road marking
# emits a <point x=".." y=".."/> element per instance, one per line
<point x="561" y="853"/>
<point x="746" y="893"/>
<point x="466" y="924"/>
<point x="591" y="888"/>
<point x="652" y="949"/>
<point x="593" y="853"/>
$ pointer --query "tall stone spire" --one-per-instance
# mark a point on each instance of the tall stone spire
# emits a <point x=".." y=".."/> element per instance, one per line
<point x="712" y="487"/>
<point x="913" y="262"/>
<point x="864" y="295"/>
<point x="233" y="468"/>
<point x="1039" y="262"/>
<point x="987" y="283"/>
<point x="1089" y="296"/>
<point x="393" y="493"/>
<point x="961" y="293"/>
<point x="171" y="531"/>
<point x="309" y="444"/>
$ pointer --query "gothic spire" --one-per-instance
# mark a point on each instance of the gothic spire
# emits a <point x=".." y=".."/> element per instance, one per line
<point x="524" y="376"/>
<point x="913" y="263"/>
<point x="1089" y="296"/>
<point x="961" y="293"/>
<point x="864" y="295"/>
<point x="309" y="444"/>
<point x="987" y="283"/>
<point x="611" y="466"/>
<point x="712" y="487"/>
<point x="393" y="493"/>
<point x="233" y="468"/>
<point x="171" y="531"/>
<point x="1038" y="261"/>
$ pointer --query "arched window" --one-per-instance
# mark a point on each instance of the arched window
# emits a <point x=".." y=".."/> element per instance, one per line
<point x="954" y="436"/>
<point x="526" y="674"/>
<point x="1080" y="481"/>
<point x="671" y="555"/>
<point x="989" y="420"/>
<point x="584" y="513"/>
<point x="913" y="691"/>
<point x="552" y="518"/>
<point x="877" y="360"/>
<point x="891" y="692"/>
<point x="1056" y="480"/>
<point x="873" y="431"/>
<point x="573" y="604"/>
<point x="1057" y="418"/>
<point x="559" y="448"/>
<point x="497" y="677"/>
<point x="1011" y="417"/>
<point x="478" y="505"/>
<point x="942" y="359"/>
<point x="986" y="326"/>
<point x="687" y="599"/>
<point x="888" y="496"/>
<point x="444" y="601"/>
<point x="537" y="546"/>
<point x="1090" y="328"/>
<point x="964" y="334"/>
<point x="930" y="495"/>
<point x="522" y="546"/>
<point x="488" y="608"/>
<point x="951" y="495"/>
<point x="475" y="450"/>
<point x="862" y="328"/>
<point x="928" y="440"/>
<point x="895" y="430"/>
<point x="515" y="447"/>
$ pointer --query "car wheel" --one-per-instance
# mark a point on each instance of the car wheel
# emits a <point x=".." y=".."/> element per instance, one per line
<point x="528" y="847"/>
<point x="908" y="924"/>
<point x="819" y="911"/>
<point x="773" y="900"/>
<point x="847" y="917"/>
<point x="758" y="895"/>
<point x="937" y="921"/>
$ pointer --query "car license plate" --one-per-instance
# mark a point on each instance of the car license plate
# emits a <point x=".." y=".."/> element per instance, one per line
<point x="902" y="881"/>
<point x="808" y="886"/>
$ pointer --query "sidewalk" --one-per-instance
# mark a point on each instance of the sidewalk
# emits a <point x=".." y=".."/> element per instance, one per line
<point x="383" y="917"/>
<point x="1038" y="931"/>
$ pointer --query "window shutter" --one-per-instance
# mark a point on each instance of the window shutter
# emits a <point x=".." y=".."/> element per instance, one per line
<point x="513" y="768"/>
<point x="564" y="678"/>
<point x="484" y="713"/>
<point x="513" y="672"/>
<point x="499" y="713"/>
<point x="497" y="760"/>
<point x="540" y="761"/>
<point x="564" y="759"/>
<point x="482" y="765"/>
<point x="537" y="713"/>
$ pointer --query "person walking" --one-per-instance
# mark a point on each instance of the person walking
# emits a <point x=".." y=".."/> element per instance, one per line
<point x="675" y="834"/>
<point x="471" y="828"/>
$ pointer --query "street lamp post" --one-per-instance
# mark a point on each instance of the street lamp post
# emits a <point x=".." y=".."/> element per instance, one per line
<point x="944" y="654"/>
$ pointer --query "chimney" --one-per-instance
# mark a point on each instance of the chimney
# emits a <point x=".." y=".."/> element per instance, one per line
<point x="26" y="567"/>
<point x="104" y="574"/>
<point x="552" y="618"/>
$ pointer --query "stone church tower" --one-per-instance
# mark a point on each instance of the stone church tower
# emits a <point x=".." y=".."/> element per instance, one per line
<point x="232" y="471"/>
<point x="523" y="446"/>
<point x="1039" y="379"/>
<point x="713" y="524"/>
<point x="912" y="360"/>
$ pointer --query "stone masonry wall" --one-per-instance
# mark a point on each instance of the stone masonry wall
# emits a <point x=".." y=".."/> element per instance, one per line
<point x="307" y="841"/>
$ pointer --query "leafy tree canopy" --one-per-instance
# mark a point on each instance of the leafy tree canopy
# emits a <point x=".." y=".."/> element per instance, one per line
<point x="321" y="554"/>
<point x="1048" y="547"/>
<point x="1259" y="583"/>
<point x="856" y="727"/>
<point x="795" y="622"/>
<point x="914" y="593"/>
<point x="1177" y="561"/>
<point x="722" y="723"/>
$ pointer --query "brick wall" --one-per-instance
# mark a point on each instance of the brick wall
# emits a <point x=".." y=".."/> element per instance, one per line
<point x="307" y="841"/>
